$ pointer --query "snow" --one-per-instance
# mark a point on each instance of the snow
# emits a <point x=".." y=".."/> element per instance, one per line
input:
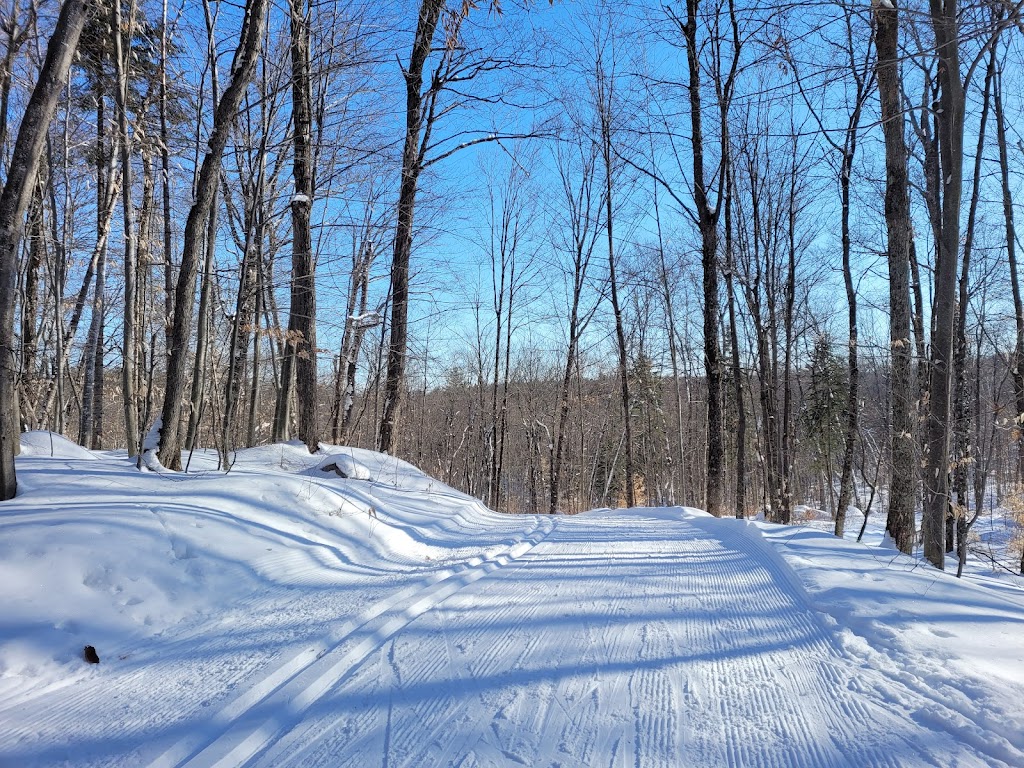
<point x="151" y="447"/>
<point x="366" y="320"/>
<point x="344" y="465"/>
<point x="281" y="615"/>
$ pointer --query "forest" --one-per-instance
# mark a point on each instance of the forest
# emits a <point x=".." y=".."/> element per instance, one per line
<point x="750" y="257"/>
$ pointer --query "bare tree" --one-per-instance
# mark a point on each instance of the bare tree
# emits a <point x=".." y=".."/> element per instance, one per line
<point x="129" y="350"/>
<point x="707" y="222"/>
<point x="456" y="66"/>
<point x="242" y="68"/>
<point x="1017" y="365"/>
<point x="950" y="122"/>
<point x="21" y="178"/>
<point x="862" y="72"/>
<point x="300" y="341"/>
<point x="608" y="106"/>
<point x="583" y="211"/>
<point x="900" y="520"/>
<point x="412" y="166"/>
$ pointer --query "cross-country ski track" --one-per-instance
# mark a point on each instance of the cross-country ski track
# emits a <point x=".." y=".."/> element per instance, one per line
<point x="645" y="637"/>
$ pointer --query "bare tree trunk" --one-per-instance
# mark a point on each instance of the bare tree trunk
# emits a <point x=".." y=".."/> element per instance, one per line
<point x="97" y="340"/>
<point x="165" y="167"/>
<point x="355" y="332"/>
<point x="605" y="107"/>
<point x="242" y="69"/>
<point x="30" y="307"/>
<point x="21" y="176"/>
<point x="852" y="408"/>
<point x="734" y="343"/>
<point x="950" y="119"/>
<point x="503" y="281"/>
<point x="900" y="521"/>
<point x="129" y="346"/>
<point x="1017" y="364"/>
<point x="666" y="290"/>
<point x="87" y="426"/>
<point x="412" y="165"/>
<point x="197" y="395"/>
<point x="16" y="35"/>
<point x="302" y="310"/>
<point x="707" y="222"/>
<point x="60" y="239"/>
<point x="197" y="398"/>
<point x="582" y="208"/>
<point x="257" y="347"/>
<point x="963" y="450"/>
<point x="786" y="454"/>
<point x="238" y="348"/>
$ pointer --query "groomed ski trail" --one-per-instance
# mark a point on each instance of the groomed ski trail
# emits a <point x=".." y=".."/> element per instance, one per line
<point x="288" y="690"/>
<point x="621" y="639"/>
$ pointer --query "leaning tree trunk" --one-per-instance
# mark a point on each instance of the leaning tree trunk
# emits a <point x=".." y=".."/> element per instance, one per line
<point x="21" y="175"/>
<point x="412" y="164"/>
<point x="900" y="521"/>
<point x="197" y="395"/>
<point x="1017" y="368"/>
<point x="963" y="450"/>
<point x="242" y="68"/>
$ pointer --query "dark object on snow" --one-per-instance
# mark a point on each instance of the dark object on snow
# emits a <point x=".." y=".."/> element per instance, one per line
<point x="90" y="655"/>
<point x="333" y="467"/>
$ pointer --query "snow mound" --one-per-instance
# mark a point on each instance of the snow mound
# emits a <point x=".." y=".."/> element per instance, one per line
<point x="345" y="466"/>
<point x="40" y="443"/>
<point x="104" y="555"/>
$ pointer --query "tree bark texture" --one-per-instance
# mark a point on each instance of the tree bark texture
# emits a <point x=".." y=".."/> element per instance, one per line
<point x="21" y="176"/>
<point x="243" y="66"/>
<point x="950" y="122"/>
<point x="707" y="222"/>
<point x="412" y="165"/>
<point x="129" y="345"/>
<point x="1017" y="364"/>
<point x="302" y="312"/>
<point x="900" y="519"/>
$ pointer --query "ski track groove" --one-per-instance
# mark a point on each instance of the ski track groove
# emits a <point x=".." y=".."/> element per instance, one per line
<point x="999" y="750"/>
<point x="241" y="731"/>
<point x="783" y="690"/>
<point x="415" y="748"/>
<point x="535" y="654"/>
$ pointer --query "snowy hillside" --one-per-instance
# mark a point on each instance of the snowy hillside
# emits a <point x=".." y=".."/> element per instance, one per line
<point x="346" y="610"/>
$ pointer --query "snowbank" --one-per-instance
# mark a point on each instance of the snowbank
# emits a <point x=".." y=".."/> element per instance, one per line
<point x="93" y="552"/>
<point x="343" y="465"/>
<point x="53" y="446"/>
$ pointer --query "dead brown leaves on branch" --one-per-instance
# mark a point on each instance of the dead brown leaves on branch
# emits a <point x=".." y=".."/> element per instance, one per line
<point x="455" y="17"/>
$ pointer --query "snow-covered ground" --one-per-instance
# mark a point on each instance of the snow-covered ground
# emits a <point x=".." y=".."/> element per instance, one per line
<point x="346" y="610"/>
